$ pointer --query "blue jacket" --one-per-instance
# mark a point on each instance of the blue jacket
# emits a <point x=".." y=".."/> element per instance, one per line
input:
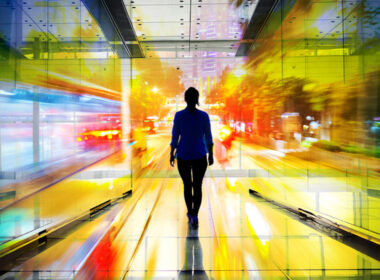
<point x="193" y="130"/>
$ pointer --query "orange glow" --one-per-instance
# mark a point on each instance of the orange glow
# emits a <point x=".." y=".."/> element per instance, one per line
<point x="225" y="132"/>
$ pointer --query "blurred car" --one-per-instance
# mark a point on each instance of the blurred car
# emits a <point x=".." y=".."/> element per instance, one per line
<point x="150" y="124"/>
<point x="226" y="136"/>
<point x="91" y="139"/>
<point x="103" y="132"/>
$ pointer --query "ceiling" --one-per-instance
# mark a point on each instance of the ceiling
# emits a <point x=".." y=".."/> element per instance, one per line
<point x="133" y="28"/>
<point x="189" y="28"/>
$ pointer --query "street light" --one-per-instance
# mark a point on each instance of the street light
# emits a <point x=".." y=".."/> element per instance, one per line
<point x="155" y="89"/>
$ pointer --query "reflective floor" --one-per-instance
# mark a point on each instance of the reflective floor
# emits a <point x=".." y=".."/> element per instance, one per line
<point x="240" y="236"/>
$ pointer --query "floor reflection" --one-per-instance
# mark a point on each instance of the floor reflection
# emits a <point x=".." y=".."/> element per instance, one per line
<point x="193" y="266"/>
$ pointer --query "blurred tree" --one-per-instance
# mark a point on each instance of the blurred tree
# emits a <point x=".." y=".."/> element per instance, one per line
<point x="154" y="82"/>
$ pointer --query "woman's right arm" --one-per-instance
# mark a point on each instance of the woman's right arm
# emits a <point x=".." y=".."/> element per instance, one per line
<point x="175" y="137"/>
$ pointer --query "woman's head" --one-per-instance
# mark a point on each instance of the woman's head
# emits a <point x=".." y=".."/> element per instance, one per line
<point x="192" y="96"/>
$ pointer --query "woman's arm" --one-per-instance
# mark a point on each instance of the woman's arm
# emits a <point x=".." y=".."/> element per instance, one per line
<point x="209" y="141"/>
<point x="172" y="157"/>
<point x="175" y="137"/>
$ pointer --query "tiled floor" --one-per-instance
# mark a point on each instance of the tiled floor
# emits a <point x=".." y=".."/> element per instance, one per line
<point x="239" y="237"/>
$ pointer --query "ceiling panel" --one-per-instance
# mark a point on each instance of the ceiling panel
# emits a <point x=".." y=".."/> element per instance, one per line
<point x="188" y="22"/>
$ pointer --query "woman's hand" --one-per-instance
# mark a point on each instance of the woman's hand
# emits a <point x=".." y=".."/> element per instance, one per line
<point x="172" y="158"/>
<point x="210" y="159"/>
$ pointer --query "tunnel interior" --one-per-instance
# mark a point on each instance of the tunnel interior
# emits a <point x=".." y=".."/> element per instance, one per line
<point x="88" y="93"/>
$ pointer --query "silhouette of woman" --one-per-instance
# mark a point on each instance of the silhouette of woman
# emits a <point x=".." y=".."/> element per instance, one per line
<point x="193" y="130"/>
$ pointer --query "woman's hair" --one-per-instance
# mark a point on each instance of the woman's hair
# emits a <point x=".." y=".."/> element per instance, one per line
<point x="192" y="96"/>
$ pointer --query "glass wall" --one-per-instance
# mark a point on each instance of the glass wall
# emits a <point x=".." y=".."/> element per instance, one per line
<point x="60" y="84"/>
<point x="308" y="94"/>
<point x="61" y="93"/>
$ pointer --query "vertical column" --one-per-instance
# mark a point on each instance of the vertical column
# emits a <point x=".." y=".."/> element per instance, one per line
<point x="36" y="48"/>
<point x="36" y="127"/>
<point x="126" y="74"/>
<point x="0" y="152"/>
<point x="208" y="86"/>
<point x="200" y="88"/>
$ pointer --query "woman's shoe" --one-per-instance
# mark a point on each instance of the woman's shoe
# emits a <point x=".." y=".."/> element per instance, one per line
<point x="194" y="221"/>
<point x="189" y="217"/>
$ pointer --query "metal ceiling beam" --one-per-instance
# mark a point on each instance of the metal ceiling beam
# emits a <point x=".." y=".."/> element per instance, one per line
<point x="259" y="18"/>
<point x="113" y="19"/>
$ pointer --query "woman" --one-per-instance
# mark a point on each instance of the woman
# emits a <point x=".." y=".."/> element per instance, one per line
<point x="192" y="128"/>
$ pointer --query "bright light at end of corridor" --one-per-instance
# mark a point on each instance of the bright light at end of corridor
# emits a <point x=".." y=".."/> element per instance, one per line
<point x="239" y="72"/>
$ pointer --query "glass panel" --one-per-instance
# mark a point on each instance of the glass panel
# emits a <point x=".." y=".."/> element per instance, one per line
<point x="60" y="111"/>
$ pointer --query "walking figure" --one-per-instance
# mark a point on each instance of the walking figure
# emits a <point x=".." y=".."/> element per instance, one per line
<point x="193" y="130"/>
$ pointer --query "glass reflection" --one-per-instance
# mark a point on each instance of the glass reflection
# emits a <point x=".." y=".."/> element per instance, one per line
<point x="193" y="266"/>
<point x="60" y="111"/>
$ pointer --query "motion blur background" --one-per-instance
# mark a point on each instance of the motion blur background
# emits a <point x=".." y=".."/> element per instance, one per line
<point x="294" y="102"/>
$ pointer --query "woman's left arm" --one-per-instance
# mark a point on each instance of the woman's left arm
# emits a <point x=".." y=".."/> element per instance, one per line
<point x="209" y="141"/>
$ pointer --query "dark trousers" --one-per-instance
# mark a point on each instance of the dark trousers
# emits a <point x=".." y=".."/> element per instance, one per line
<point x="192" y="184"/>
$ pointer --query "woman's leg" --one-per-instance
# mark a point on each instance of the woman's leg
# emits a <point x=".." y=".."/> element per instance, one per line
<point x="199" y="169"/>
<point x="184" y="168"/>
